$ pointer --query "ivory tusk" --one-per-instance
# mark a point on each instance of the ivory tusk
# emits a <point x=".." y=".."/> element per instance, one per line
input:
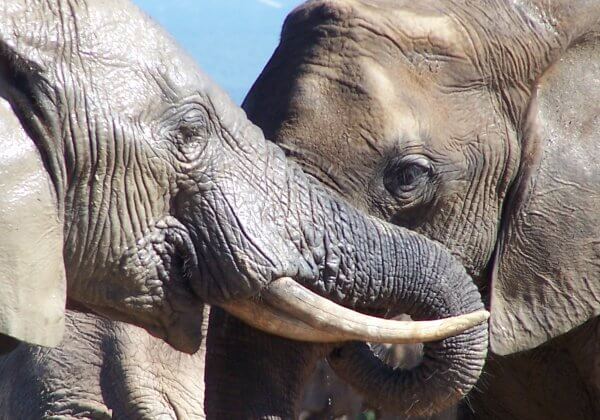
<point x="292" y="311"/>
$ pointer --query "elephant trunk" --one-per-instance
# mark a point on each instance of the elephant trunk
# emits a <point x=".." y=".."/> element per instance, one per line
<point x="291" y="230"/>
<point x="449" y="368"/>
<point x="401" y="272"/>
<point x="419" y="277"/>
<point x="363" y="263"/>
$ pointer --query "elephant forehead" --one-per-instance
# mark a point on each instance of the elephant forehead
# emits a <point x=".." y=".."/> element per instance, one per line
<point x="109" y="51"/>
<point x="413" y="26"/>
<point x="132" y="82"/>
<point x="401" y="102"/>
<point x="428" y="33"/>
<point x="127" y="57"/>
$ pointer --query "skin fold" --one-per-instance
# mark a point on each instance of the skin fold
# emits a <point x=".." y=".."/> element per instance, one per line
<point x="156" y="197"/>
<point x="475" y="124"/>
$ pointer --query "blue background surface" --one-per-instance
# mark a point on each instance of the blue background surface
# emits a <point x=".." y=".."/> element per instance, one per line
<point x="232" y="40"/>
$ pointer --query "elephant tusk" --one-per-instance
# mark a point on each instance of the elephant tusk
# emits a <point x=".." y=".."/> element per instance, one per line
<point x="264" y="317"/>
<point x="292" y="311"/>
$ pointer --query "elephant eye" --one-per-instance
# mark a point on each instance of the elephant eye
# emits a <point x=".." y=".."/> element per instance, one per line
<point x="193" y="126"/>
<point x="405" y="174"/>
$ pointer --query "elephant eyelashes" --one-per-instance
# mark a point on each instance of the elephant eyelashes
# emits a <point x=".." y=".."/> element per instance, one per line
<point x="193" y="127"/>
<point x="190" y="133"/>
<point x="404" y="175"/>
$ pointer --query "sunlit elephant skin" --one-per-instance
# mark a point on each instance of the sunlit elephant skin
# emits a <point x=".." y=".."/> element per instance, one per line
<point x="475" y="124"/>
<point x="158" y="194"/>
<point x="134" y="188"/>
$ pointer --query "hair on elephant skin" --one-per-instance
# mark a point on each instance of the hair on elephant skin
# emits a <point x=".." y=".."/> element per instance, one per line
<point x="134" y="188"/>
<point x="477" y="125"/>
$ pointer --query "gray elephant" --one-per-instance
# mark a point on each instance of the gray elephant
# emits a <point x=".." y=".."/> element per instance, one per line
<point x="327" y="397"/>
<point x="476" y="124"/>
<point x="103" y="369"/>
<point x="109" y="369"/>
<point x="134" y="188"/>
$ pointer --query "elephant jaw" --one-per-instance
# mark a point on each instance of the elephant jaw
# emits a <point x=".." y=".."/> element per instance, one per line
<point x="289" y="310"/>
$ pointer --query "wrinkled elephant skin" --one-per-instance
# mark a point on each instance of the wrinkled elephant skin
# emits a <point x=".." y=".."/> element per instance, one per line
<point x="146" y="194"/>
<point x="151" y="193"/>
<point x="473" y="123"/>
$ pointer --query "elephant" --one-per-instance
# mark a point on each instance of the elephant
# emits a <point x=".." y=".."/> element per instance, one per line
<point x="109" y="369"/>
<point x="477" y="125"/>
<point x="325" y="396"/>
<point x="135" y="189"/>
<point x="103" y="369"/>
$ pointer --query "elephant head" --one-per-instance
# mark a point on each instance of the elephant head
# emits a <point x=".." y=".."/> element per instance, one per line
<point x="135" y="185"/>
<point x="473" y="123"/>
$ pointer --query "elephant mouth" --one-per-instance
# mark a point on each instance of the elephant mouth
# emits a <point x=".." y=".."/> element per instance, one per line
<point x="161" y="268"/>
<point x="181" y="261"/>
<point x="288" y="309"/>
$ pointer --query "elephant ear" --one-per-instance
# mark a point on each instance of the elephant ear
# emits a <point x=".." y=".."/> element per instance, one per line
<point x="32" y="275"/>
<point x="546" y="275"/>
